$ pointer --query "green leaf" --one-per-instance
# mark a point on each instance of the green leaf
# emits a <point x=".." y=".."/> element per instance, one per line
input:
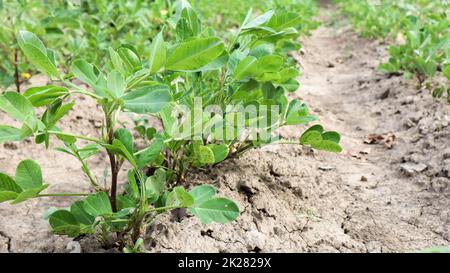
<point x="157" y="53"/>
<point x="37" y="54"/>
<point x="64" y="223"/>
<point x="202" y="193"/>
<point x="92" y="76"/>
<point x="89" y="150"/>
<point x="244" y="67"/>
<point x="55" y="112"/>
<point x="44" y="95"/>
<point x="168" y="120"/>
<point x="268" y="63"/>
<point x="117" y="147"/>
<point x="194" y="54"/>
<point x="28" y="194"/>
<point x="156" y="184"/>
<point x="297" y="113"/>
<point x="126" y="138"/>
<point x="29" y="175"/>
<point x="7" y="183"/>
<point x="16" y="105"/>
<point x="263" y="18"/>
<point x="9" y="133"/>
<point x="116" y="84"/>
<point x="317" y="139"/>
<point x="327" y="145"/>
<point x="147" y="99"/>
<point x="252" y="67"/>
<point x="97" y="205"/>
<point x="332" y="136"/>
<point x="219" y="210"/>
<point x="205" y="155"/>
<point x="284" y="20"/>
<point x="130" y="59"/>
<point x="149" y="154"/>
<point x="220" y="151"/>
<point x="30" y="125"/>
<point x="117" y="62"/>
<point x="291" y="85"/>
<point x="9" y="190"/>
<point x="80" y="214"/>
<point x="179" y="197"/>
<point x="7" y="195"/>
<point x="192" y="19"/>
<point x="446" y="71"/>
<point x="311" y="137"/>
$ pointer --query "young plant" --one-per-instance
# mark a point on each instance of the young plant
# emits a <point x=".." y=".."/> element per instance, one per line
<point x="421" y="28"/>
<point x="214" y="101"/>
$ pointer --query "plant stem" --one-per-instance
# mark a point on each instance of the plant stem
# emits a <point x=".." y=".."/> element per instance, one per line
<point x="112" y="159"/>
<point x="165" y="208"/>
<point x="288" y="142"/>
<point x="64" y="194"/>
<point x="114" y="174"/>
<point x="75" y="136"/>
<point x="16" y="70"/>
<point x="81" y="90"/>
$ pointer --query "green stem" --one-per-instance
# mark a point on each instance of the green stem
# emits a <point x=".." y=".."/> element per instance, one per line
<point x="75" y="136"/>
<point x="64" y="194"/>
<point x="165" y="208"/>
<point x="287" y="142"/>
<point x="81" y="90"/>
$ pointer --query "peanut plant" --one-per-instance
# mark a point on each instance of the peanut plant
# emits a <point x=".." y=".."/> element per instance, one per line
<point x="214" y="100"/>
<point x="422" y="28"/>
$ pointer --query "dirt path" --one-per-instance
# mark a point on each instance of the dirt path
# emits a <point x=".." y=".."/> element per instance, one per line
<point x="389" y="208"/>
<point x="367" y="199"/>
<point x="358" y="201"/>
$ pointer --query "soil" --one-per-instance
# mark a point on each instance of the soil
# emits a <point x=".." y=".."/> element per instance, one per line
<point x="388" y="191"/>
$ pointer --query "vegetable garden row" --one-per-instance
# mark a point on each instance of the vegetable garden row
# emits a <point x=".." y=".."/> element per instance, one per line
<point x="218" y="89"/>
<point x="179" y="90"/>
<point x="419" y="32"/>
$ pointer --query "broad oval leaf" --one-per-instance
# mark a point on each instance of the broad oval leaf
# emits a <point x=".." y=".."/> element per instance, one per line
<point x="157" y="53"/>
<point x="80" y="214"/>
<point x="297" y="113"/>
<point x="16" y="105"/>
<point x="29" y="175"/>
<point x="126" y="138"/>
<point x="220" y="151"/>
<point x="97" y="205"/>
<point x="149" y="154"/>
<point x="219" y="210"/>
<point x="7" y="183"/>
<point x="156" y="184"/>
<point x="36" y="52"/>
<point x="327" y="145"/>
<point x="28" y="194"/>
<point x="116" y="84"/>
<point x="205" y="155"/>
<point x="63" y="222"/>
<point x="7" y="195"/>
<point x="179" y="197"/>
<point x="147" y="99"/>
<point x="261" y="19"/>
<point x="44" y="95"/>
<point x="9" y="133"/>
<point x="194" y="54"/>
<point x="202" y="193"/>
<point x="244" y="67"/>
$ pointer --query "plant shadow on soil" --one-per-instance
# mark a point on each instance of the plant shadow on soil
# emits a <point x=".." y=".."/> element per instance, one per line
<point x="369" y="198"/>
